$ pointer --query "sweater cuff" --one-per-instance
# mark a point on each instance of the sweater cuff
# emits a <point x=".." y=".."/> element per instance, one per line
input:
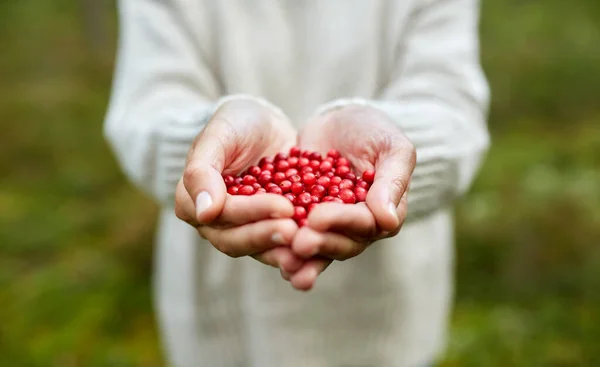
<point x="432" y="129"/>
<point x="173" y="136"/>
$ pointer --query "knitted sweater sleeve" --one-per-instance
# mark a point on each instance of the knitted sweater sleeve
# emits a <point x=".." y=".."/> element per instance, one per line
<point x="438" y="95"/>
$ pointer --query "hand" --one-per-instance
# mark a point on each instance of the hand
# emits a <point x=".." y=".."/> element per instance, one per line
<point x="370" y="140"/>
<point x="238" y="135"/>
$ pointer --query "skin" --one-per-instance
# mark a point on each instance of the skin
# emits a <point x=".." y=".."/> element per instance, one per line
<point x="240" y="133"/>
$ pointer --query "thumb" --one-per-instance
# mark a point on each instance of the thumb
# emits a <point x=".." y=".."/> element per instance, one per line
<point x="392" y="177"/>
<point x="202" y="175"/>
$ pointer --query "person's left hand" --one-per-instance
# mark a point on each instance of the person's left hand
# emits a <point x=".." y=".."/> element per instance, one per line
<point x="370" y="140"/>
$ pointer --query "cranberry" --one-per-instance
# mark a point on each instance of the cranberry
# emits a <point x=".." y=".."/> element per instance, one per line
<point x="315" y="199"/>
<point x="318" y="190"/>
<point x="306" y="169"/>
<point x="229" y="180"/>
<point x="295" y="178"/>
<point x="297" y="188"/>
<point x="290" y="172"/>
<point x="282" y="165"/>
<point x="261" y="190"/>
<point x="369" y="176"/>
<point x="303" y="161"/>
<point x="325" y="166"/>
<point x="275" y="190"/>
<point x="265" y="178"/>
<point x="360" y="193"/>
<point x="350" y="176"/>
<point x="265" y="160"/>
<point x="327" y="199"/>
<point x="286" y="186"/>
<point x="362" y="184"/>
<point x="329" y="159"/>
<point x="295" y="151"/>
<point x="293" y="161"/>
<point x="302" y="222"/>
<point x="309" y="179"/>
<point x="238" y="180"/>
<point x="330" y="174"/>
<point x="303" y="199"/>
<point x="233" y="190"/>
<point x="299" y="213"/>
<point x="342" y="170"/>
<point x="246" y="190"/>
<point x="268" y="167"/>
<point x="278" y="177"/>
<point x="342" y="162"/>
<point x="256" y="185"/>
<point x="280" y="156"/>
<point x="306" y="153"/>
<point x="254" y="171"/>
<point x="271" y="184"/>
<point x="334" y="190"/>
<point x="290" y="197"/>
<point x="314" y="164"/>
<point x="249" y="180"/>
<point x="333" y="154"/>
<point x="324" y="181"/>
<point x="316" y="156"/>
<point x="347" y="196"/>
<point x="335" y="180"/>
<point x="346" y="184"/>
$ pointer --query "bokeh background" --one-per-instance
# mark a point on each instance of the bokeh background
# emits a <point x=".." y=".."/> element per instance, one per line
<point x="75" y="238"/>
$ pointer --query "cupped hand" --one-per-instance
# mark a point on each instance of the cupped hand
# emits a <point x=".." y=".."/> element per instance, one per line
<point x="238" y="135"/>
<point x="369" y="140"/>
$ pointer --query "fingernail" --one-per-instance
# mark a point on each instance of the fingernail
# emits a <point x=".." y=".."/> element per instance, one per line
<point x="278" y="238"/>
<point x="203" y="202"/>
<point x="392" y="210"/>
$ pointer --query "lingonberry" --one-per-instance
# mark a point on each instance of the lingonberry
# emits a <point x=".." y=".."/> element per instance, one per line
<point x="265" y="178"/>
<point x="318" y="190"/>
<point x="254" y="171"/>
<point x="324" y="181"/>
<point x="342" y="162"/>
<point x="299" y="213"/>
<point x="303" y="199"/>
<point x="282" y="165"/>
<point x="303" y="162"/>
<point x="347" y="196"/>
<point x="249" y="180"/>
<point x="314" y="164"/>
<point x="278" y="177"/>
<point x="275" y="190"/>
<point x="268" y="167"/>
<point x="246" y="190"/>
<point x="346" y="184"/>
<point x="229" y="180"/>
<point x="334" y="190"/>
<point x="295" y="151"/>
<point x="360" y="193"/>
<point x="325" y="166"/>
<point x="286" y="186"/>
<point x="279" y="157"/>
<point x="333" y="154"/>
<point x="342" y="170"/>
<point x="293" y="161"/>
<point x="232" y="190"/>
<point x="291" y="171"/>
<point x="369" y="176"/>
<point x="297" y="188"/>
<point x="309" y="179"/>
<point x="290" y="197"/>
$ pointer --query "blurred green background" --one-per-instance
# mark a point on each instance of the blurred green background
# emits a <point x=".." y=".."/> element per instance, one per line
<point x="75" y="238"/>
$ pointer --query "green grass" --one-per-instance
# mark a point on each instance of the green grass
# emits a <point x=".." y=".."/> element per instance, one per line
<point x="76" y="239"/>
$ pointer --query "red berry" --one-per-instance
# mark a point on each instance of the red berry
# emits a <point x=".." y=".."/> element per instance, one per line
<point x="246" y="190"/>
<point x="327" y="199"/>
<point x="265" y="178"/>
<point x="334" y="190"/>
<point x="324" y="181"/>
<point x="342" y="170"/>
<point x="275" y="190"/>
<point x="330" y="174"/>
<point x="369" y="176"/>
<point x="306" y="169"/>
<point x="268" y="167"/>
<point x="293" y="161"/>
<point x="295" y="178"/>
<point x="314" y="164"/>
<point x="290" y="197"/>
<point x="303" y="199"/>
<point x="342" y="162"/>
<point x="238" y="180"/>
<point x="362" y="184"/>
<point x="316" y="156"/>
<point x="335" y="180"/>
<point x="297" y="188"/>
<point x="346" y="184"/>
<point x="329" y="159"/>
<point x="318" y="191"/>
<point x="306" y="153"/>
<point x="312" y="206"/>
<point x="303" y="161"/>
<point x="265" y="160"/>
<point x="350" y="176"/>
<point x="278" y="177"/>
<point x="302" y="222"/>
<point x="271" y="184"/>
<point x="315" y="199"/>
<point x="347" y="196"/>
<point x="281" y="165"/>
<point x="280" y="156"/>
<point x="233" y="190"/>
<point x="256" y="185"/>
<point x="299" y="213"/>
<point x="229" y="180"/>
<point x="249" y="180"/>
<point x="338" y="200"/>
<point x="261" y="190"/>
<point x="290" y="172"/>
<point x="333" y="154"/>
<point x="360" y="193"/>
<point x="286" y="186"/>
<point x="295" y="151"/>
<point x="309" y="179"/>
<point x="325" y="166"/>
<point x="254" y="171"/>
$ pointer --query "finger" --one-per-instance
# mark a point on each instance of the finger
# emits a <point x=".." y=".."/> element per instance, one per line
<point x="280" y="257"/>
<point x="308" y="243"/>
<point x="392" y="178"/>
<point x="184" y="205"/>
<point x="305" y="278"/>
<point x="354" y="220"/>
<point x="250" y="239"/>
<point x="202" y="175"/>
<point x="246" y="209"/>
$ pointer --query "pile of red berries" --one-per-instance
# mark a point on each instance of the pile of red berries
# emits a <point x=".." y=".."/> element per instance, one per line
<point x="305" y="178"/>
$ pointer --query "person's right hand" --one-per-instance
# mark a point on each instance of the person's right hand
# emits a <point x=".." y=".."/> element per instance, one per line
<point x="238" y="135"/>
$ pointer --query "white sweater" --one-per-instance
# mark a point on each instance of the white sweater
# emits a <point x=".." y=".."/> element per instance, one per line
<point x="415" y="59"/>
